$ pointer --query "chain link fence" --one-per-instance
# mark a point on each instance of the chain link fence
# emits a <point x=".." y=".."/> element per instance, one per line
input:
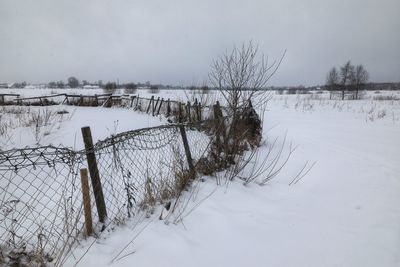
<point x="41" y="203"/>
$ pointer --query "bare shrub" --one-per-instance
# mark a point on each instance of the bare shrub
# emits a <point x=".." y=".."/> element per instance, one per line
<point x="130" y="88"/>
<point x="154" y="89"/>
<point x="241" y="77"/>
<point x="41" y="121"/>
<point x="110" y="88"/>
<point x="261" y="167"/>
<point x="204" y="97"/>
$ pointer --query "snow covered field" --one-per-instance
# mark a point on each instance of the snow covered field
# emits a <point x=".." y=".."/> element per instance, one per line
<point x="345" y="212"/>
<point x="65" y="128"/>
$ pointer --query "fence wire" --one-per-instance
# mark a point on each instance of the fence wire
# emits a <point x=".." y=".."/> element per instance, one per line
<point x="139" y="169"/>
<point x="40" y="200"/>
<point x="40" y="189"/>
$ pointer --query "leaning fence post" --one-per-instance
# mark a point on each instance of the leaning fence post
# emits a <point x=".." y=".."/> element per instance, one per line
<point x="199" y="107"/>
<point x="137" y="102"/>
<point x="66" y="99"/>
<point x="155" y="107"/>
<point x="86" y="201"/>
<point x="159" y="107"/>
<point x="96" y="100"/>
<point x="179" y="112"/>
<point x="217" y="129"/>
<point x="94" y="174"/>
<point x="151" y="101"/>
<point x="168" y="108"/>
<point x="188" y="114"/>
<point x="110" y="101"/>
<point x="221" y="126"/>
<point x="132" y="98"/>
<point x="187" y="148"/>
<point x="196" y="109"/>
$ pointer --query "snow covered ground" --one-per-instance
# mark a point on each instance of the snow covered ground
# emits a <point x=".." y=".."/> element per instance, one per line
<point x="65" y="129"/>
<point x="345" y="212"/>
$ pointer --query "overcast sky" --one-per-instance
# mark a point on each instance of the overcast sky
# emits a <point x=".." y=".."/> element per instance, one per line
<point x="174" y="42"/>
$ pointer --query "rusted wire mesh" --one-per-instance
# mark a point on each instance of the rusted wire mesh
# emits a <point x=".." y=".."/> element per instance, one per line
<point x="40" y="200"/>
<point x="141" y="168"/>
<point x="40" y="190"/>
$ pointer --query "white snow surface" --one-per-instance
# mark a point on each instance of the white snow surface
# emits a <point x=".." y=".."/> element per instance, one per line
<point x="65" y="129"/>
<point x="345" y="212"/>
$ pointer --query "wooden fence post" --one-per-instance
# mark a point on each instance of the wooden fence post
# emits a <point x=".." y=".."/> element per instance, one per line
<point x="66" y="99"/>
<point x="217" y="129"/>
<point x="94" y="174"/>
<point x="151" y="101"/>
<point x="86" y="201"/>
<point x="96" y="100"/>
<point x="168" y="108"/>
<point x="220" y="129"/>
<point x="223" y="127"/>
<point x="196" y="109"/>
<point x="159" y="107"/>
<point x="199" y="107"/>
<point x="180" y="112"/>
<point x="137" y="102"/>
<point x="188" y="112"/>
<point x="187" y="149"/>
<point x="110" y="101"/>
<point x="155" y="107"/>
<point x="132" y="98"/>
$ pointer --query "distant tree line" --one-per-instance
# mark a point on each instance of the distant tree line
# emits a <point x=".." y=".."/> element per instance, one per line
<point x="347" y="78"/>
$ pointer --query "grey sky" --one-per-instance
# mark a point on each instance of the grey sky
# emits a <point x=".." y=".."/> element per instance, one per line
<point x="175" y="41"/>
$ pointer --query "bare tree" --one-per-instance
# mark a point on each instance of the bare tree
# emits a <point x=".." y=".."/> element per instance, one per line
<point x="241" y="77"/>
<point x="73" y="82"/>
<point x="346" y="72"/>
<point x="359" y="77"/>
<point x="332" y="79"/>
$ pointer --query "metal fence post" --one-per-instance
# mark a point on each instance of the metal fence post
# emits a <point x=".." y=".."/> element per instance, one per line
<point x="94" y="174"/>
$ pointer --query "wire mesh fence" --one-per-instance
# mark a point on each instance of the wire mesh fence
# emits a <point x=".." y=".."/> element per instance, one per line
<point x="40" y="192"/>
<point x="148" y="163"/>
<point x="176" y="111"/>
<point x="40" y="200"/>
